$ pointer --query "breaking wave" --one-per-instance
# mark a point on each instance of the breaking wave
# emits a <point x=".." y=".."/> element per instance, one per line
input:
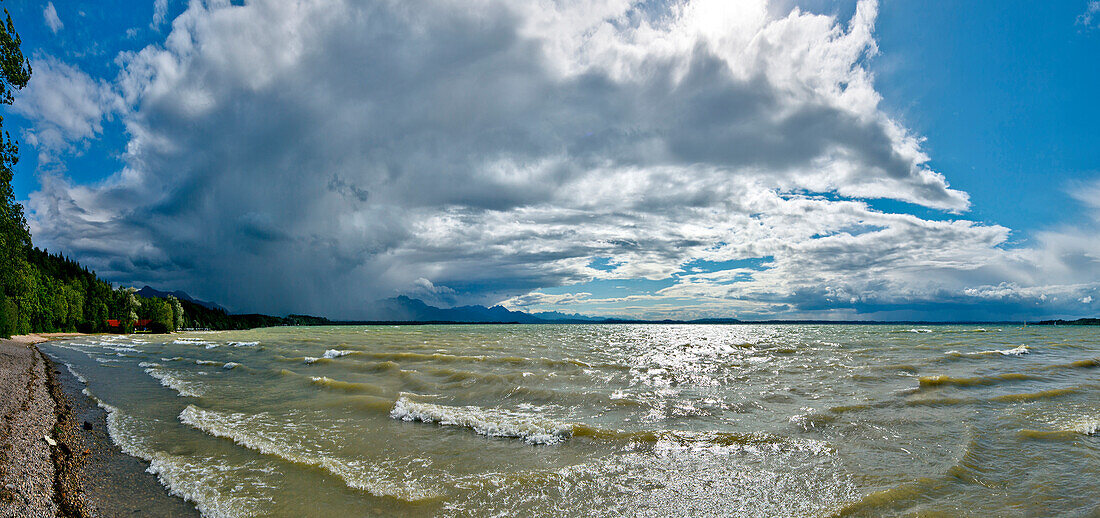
<point x="489" y="422"/>
<point x="170" y="380"/>
<point x="1015" y="351"/>
<point x="261" y="433"/>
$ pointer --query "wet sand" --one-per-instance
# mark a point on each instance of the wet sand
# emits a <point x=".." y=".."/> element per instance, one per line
<point x="83" y="473"/>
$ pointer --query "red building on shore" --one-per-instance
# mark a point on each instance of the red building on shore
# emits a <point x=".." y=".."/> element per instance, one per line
<point x="139" y="325"/>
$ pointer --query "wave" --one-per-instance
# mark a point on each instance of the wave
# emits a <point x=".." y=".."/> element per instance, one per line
<point x="261" y="433"/>
<point x="715" y="442"/>
<point x="75" y="374"/>
<point x="891" y="502"/>
<point x="1016" y="351"/>
<point x="1086" y="426"/>
<point x="170" y="380"/>
<point x="347" y="386"/>
<point x="193" y="480"/>
<point x="369" y="403"/>
<point x="244" y="344"/>
<point x="1032" y="396"/>
<point x="1071" y="432"/>
<point x="939" y="401"/>
<point x="488" y="422"/>
<point x="944" y="380"/>
<point x="327" y="357"/>
<point x="813" y="420"/>
<point x="122" y="349"/>
<point x="193" y="341"/>
<point x="459" y="375"/>
<point x="231" y="365"/>
<point x="534" y="430"/>
<point x="1079" y="364"/>
<point x="1048" y="435"/>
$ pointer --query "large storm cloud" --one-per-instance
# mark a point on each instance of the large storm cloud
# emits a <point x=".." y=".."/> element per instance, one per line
<point x="315" y="156"/>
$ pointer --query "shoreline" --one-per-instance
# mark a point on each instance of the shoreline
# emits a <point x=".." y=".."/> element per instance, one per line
<point x="82" y="472"/>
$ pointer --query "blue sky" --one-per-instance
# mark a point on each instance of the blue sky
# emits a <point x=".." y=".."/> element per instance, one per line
<point x="879" y="160"/>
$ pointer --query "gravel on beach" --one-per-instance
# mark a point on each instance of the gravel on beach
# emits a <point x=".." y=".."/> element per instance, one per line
<point x="27" y="417"/>
<point x="81" y="472"/>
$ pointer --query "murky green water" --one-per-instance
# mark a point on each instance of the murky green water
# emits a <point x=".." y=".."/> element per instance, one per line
<point x="770" y="420"/>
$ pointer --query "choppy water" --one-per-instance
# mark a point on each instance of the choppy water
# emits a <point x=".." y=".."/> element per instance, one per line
<point x="768" y="420"/>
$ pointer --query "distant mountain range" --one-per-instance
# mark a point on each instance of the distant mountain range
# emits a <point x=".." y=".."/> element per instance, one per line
<point x="405" y="309"/>
<point x="148" y="291"/>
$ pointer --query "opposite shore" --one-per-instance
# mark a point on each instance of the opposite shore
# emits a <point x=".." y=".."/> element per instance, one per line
<point x="56" y="455"/>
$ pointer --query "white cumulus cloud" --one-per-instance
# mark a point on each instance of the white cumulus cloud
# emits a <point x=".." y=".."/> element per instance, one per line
<point x="65" y="106"/>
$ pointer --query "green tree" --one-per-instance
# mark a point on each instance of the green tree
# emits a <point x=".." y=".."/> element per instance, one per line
<point x="159" y="312"/>
<point x="15" y="238"/>
<point x="177" y="313"/>
<point x="130" y="306"/>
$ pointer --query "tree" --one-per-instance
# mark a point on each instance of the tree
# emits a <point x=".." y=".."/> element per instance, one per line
<point x="177" y="313"/>
<point x="130" y="305"/>
<point x="15" y="238"/>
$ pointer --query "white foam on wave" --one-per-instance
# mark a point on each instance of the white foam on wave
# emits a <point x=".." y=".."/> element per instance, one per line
<point x="336" y="353"/>
<point x="207" y="362"/>
<point x="122" y="349"/>
<point x="920" y="330"/>
<point x="1086" y="426"/>
<point x="266" y="435"/>
<point x="170" y="380"/>
<point x="310" y="359"/>
<point x="244" y="344"/>
<point x="231" y="365"/>
<point x="194" y="341"/>
<point x="1018" y="351"/>
<point x="192" y="479"/>
<point x="75" y="374"/>
<point x="489" y="422"/>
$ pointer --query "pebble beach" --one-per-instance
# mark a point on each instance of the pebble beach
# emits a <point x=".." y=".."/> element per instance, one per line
<point x="56" y="457"/>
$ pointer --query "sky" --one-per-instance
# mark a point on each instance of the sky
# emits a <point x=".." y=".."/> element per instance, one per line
<point x="700" y="158"/>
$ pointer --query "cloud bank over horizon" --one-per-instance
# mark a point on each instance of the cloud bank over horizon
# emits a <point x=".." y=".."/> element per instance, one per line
<point x="704" y="158"/>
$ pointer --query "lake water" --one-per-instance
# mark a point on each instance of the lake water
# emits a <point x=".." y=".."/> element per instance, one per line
<point x="609" y="420"/>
